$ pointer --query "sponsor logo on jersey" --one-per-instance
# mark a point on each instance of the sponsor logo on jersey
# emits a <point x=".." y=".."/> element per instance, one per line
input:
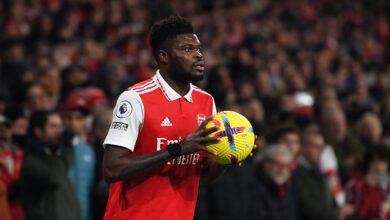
<point x="124" y="109"/>
<point x="166" y="122"/>
<point x="119" y="126"/>
<point x="161" y="141"/>
<point x="190" y="159"/>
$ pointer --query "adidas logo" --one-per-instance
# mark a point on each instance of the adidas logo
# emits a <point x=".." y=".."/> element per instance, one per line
<point x="166" y="122"/>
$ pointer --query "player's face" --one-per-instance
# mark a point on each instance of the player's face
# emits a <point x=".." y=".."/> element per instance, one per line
<point x="187" y="63"/>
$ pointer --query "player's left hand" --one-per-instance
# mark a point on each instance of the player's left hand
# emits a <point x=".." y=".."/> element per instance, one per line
<point x="253" y="150"/>
<point x="196" y="141"/>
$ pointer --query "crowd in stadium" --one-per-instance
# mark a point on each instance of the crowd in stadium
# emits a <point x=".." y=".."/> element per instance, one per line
<point x="313" y="77"/>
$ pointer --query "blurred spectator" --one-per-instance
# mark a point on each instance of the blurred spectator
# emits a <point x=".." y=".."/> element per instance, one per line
<point x="3" y="104"/>
<point x="47" y="192"/>
<point x="273" y="196"/>
<point x="314" y="196"/>
<point x="74" y="77"/>
<point x="37" y="99"/>
<point x="370" y="130"/>
<point x="289" y="136"/>
<point x="14" y="66"/>
<point x="4" y="208"/>
<point x="101" y="124"/>
<point x="369" y="190"/>
<point x="91" y="98"/>
<point x="19" y="122"/>
<point x="329" y="166"/>
<point x="11" y="157"/>
<point x="82" y="170"/>
<point x="349" y="151"/>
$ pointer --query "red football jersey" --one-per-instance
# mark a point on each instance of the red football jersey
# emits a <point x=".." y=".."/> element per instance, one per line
<point x="152" y="115"/>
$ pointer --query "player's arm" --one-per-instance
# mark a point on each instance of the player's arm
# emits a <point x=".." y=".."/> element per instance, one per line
<point x="118" y="164"/>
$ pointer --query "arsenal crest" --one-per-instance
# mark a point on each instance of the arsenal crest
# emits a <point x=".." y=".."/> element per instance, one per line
<point x="200" y="118"/>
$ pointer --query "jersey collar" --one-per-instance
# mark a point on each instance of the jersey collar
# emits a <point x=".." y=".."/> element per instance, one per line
<point x="170" y="93"/>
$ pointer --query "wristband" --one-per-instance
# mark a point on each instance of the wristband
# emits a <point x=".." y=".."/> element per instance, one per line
<point x="174" y="150"/>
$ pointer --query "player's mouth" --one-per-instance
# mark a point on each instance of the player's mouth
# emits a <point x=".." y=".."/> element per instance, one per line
<point x="199" y="66"/>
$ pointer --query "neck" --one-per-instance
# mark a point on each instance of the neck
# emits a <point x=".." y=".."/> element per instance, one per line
<point x="181" y="88"/>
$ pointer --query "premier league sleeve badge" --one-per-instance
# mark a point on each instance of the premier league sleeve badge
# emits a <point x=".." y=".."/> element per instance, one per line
<point x="124" y="109"/>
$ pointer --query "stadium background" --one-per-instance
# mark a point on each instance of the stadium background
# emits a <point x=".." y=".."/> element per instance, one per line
<point x="322" y="64"/>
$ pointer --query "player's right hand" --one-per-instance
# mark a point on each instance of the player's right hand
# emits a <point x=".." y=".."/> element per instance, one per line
<point x="196" y="141"/>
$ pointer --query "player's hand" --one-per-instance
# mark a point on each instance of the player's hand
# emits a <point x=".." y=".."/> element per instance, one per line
<point x="253" y="150"/>
<point x="197" y="140"/>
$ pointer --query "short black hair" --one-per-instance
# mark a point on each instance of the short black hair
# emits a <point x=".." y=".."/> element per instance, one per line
<point x="306" y="135"/>
<point x="38" y="119"/>
<point x="285" y="129"/>
<point x="380" y="153"/>
<point x="167" y="29"/>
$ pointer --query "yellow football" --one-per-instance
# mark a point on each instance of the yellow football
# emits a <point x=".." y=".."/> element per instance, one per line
<point x="236" y="137"/>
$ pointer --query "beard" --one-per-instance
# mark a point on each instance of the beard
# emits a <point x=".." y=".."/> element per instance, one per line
<point x="184" y="76"/>
<point x="279" y="179"/>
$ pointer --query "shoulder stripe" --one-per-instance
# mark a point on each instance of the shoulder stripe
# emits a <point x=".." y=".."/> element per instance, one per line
<point x="201" y="91"/>
<point x="151" y="81"/>
<point x="146" y="87"/>
<point x="148" y="90"/>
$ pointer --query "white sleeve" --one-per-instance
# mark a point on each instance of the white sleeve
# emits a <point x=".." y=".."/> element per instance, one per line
<point x="127" y="121"/>
<point x="214" y="107"/>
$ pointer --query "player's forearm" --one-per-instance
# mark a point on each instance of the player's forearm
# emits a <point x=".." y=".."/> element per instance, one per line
<point x="121" y="167"/>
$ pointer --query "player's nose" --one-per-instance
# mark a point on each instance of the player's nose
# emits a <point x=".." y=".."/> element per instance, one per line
<point x="198" y="54"/>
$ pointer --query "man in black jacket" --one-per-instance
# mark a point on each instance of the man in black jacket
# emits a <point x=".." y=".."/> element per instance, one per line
<point x="273" y="196"/>
<point x="314" y="196"/>
<point x="46" y="189"/>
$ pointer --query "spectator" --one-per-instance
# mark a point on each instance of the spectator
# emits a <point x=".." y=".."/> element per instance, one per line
<point x="47" y="192"/>
<point x="11" y="157"/>
<point x="37" y="99"/>
<point x="370" y="130"/>
<point x="4" y="208"/>
<point x="273" y="196"/>
<point x="101" y="124"/>
<point x="369" y="190"/>
<point x="289" y="136"/>
<point x="346" y="145"/>
<point x="314" y="196"/>
<point x="329" y="167"/>
<point x="19" y="122"/>
<point x="74" y="77"/>
<point x="81" y="171"/>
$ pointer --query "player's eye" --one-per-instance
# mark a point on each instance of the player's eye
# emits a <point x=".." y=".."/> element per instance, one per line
<point x="188" y="50"/>
<point x="191" y="49"/>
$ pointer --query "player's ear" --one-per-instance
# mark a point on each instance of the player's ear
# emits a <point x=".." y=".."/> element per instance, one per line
<point x="163" y="56"/>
